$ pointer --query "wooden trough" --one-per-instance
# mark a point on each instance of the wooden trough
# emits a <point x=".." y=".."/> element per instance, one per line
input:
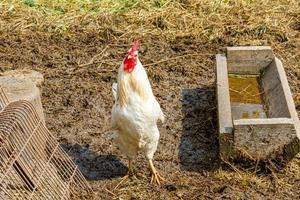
<point x="256" y="111"/>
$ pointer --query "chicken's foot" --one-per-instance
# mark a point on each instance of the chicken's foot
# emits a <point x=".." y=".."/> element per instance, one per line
<point x="155" y="177"/>
<point x="129" y="175"/>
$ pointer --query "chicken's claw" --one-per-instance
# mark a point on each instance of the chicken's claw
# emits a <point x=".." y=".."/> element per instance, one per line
<point x="125" y="178"/>
<point x="155" y="177"/>
<point x="129" y="175"/>
<point x="122" y="180"/>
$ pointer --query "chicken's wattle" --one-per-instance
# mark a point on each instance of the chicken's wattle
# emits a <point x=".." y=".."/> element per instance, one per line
<point x="129" y="64"/>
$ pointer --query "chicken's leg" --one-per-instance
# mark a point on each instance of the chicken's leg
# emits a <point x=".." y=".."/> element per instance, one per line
<point x="155" y="175"/>
<point x="130" y="174"/>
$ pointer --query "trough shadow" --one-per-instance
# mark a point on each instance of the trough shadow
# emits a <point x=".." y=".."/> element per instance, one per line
<point x="94" y="166"/>
<point x="198" y="148"/>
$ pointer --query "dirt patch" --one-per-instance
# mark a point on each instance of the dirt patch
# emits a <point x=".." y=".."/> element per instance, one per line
<point x="78" y="100"/>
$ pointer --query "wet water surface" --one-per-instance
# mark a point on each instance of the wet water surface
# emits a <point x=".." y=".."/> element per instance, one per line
<point x="246" y="97"/>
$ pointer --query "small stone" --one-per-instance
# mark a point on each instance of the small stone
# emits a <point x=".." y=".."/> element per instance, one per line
<point x="171" y="188"/>
<point x="295" y="26"/>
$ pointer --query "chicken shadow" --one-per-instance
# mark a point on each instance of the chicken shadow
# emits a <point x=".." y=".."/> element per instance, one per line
<point x="198" y="149"/>
<point x="93" y="166"/>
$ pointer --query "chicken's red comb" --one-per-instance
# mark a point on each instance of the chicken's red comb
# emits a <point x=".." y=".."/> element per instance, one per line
<point x="135" y="46"/>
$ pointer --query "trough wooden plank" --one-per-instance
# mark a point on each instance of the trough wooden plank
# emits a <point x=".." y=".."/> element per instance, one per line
<point x="274" y="93"/>
<point x="224" y="109"/>
<point x="264" y="139"/>
<point x="288" y="95"/>
<point x="248" y="60"/>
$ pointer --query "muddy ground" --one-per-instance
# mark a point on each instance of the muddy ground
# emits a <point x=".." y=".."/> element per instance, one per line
<point x="77" y="99"/>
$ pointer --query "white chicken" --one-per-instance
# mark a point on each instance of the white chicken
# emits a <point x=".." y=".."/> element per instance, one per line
<point x="135" y="112"/>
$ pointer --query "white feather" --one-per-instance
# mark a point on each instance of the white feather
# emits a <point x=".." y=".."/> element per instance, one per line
<point x="114" y="90"/>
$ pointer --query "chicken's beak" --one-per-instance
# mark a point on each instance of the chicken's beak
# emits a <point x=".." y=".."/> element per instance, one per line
<point x="129" y="56"/>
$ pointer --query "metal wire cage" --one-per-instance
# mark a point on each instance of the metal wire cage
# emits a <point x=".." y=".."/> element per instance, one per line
<point x="32" y="163"/>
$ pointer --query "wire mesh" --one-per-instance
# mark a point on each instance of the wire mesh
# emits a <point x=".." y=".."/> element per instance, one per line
<point x="32" y="163"/>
